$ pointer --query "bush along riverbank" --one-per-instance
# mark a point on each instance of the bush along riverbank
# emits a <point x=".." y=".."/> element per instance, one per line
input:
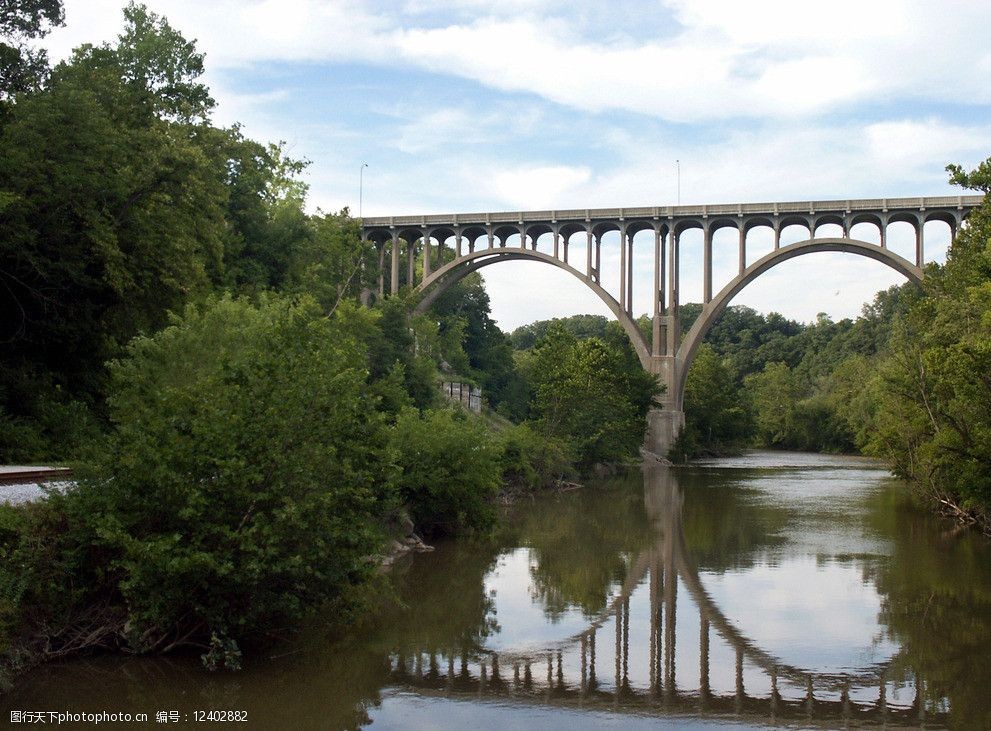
<point x="254" y="464"/>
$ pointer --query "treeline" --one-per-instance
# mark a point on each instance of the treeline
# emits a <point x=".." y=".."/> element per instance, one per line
<point x="771" y="382"/>
<point x="761" y="380"/>
<point x="250" y="424"/>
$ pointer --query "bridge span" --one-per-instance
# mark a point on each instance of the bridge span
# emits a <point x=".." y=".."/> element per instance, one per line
<point x="439" y="250"/>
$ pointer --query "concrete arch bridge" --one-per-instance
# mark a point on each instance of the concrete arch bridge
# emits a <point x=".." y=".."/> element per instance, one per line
<point x="454" y="245"/>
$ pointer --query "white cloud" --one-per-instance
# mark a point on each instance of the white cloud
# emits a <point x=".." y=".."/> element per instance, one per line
<point x="727" y="59"/>
<point x="537" y="187"/>
<point x="773" y="96"/>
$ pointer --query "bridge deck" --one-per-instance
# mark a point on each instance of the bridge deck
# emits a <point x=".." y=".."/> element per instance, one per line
<point x="960" y="202"/>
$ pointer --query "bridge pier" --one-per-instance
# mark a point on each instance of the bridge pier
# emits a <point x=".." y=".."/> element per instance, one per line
<point x="665" y="423"/>
<point x="663" y="427"/>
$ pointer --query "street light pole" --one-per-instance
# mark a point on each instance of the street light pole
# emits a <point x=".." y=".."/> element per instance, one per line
<point x="361" y="181"/>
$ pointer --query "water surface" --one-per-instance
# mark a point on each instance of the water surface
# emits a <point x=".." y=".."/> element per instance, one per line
<point x="773" y="589"/>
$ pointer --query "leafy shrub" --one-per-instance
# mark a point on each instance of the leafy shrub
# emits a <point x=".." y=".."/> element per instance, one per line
<point x="449" y="470"/>
<point x="241" y="481"/>
<point x="531" y="460"/>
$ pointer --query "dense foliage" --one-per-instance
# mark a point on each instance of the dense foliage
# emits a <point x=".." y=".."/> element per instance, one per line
<point x="767" y="381"/>
<point x="589" y="395"/>
<point x="23" y="68"/>
<point x="449" y="470"/>
<point x="931" y="398"/>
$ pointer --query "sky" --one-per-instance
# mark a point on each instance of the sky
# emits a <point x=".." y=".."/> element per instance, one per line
<point x="466" y="106"/>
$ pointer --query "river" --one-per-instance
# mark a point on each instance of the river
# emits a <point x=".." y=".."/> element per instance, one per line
<point x="773" y="589"/>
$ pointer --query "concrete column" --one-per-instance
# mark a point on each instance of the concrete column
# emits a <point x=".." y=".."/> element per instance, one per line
<point x="629" y="276"/>
<point x="884" y="234"/>
<point x="674" y="336"/>
<point x="564" y="245"/>
<point x="522" y="238"/>
<point x="598" y="259"/>
<point x="706" y="265"/>
<point x="743" y="248"/>
<point x="920" y="254"/>
<point x="777" y="235"/>
<point x="457" y="239"/>
<point x="382" y="269"/>
<point x="588" y="255"/>
<point x="556" y="246"/>
<point x="655" y="340"/>
<point x="622" y="269"/>
<point x="394" y="282"/>
<point x="491" y="242"/>
<point x="411" y="263"/>
<point x="426" y="256"/>
<point x="664" y="272"/>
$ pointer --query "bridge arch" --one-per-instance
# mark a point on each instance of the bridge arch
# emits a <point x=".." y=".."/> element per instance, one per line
<point x="441" y="280"/>
<point x="576" y="234"/>
<point x="712" y="311"/>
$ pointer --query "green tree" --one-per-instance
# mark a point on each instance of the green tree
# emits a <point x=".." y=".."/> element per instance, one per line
<point x="933" y="416"/>
<point x="585" y="393"/>
<point x="113" y="213"/>
<point x="482" y="349"/>
<point x="332" y="263"/>
<point x="774" y="392"/>
<point x="267" y="226"/>
<point x="120" y="204"/>
<point x="244" y="475"/>
<point x="717" y="412"/>
<point x="23" y="68"/>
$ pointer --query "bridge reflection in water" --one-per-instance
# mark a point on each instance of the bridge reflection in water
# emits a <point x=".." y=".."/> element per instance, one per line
<point x="572" y="674"/>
